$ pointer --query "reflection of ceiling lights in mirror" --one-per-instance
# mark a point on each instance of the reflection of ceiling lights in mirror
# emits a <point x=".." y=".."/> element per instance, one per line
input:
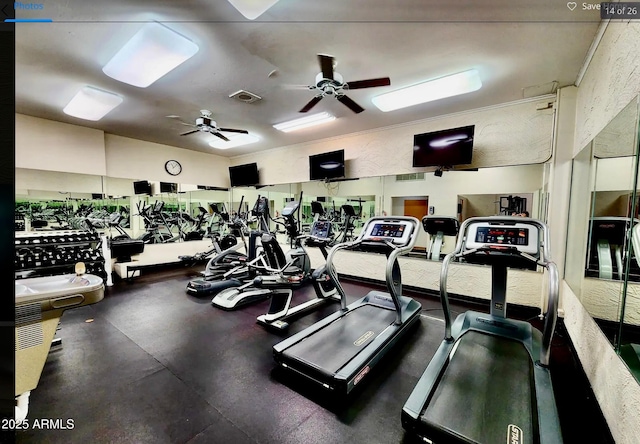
<point x="234" y="141"/>
<point x="448" y="86"/>
<point x="252" y="9"/>
<point x="150" y="54"/>
<point x="92" y="103"/>
<point x="449" y="140"/>
<point x="304" y="122"/>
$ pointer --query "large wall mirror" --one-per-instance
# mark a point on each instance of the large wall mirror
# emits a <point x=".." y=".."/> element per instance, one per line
<point x="602" y="265"/>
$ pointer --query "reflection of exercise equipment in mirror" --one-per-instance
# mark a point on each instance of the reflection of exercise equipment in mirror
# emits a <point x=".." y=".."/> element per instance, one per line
<point x="339" y="351"/>
<point x="512" y="204"/>
<point x="345" y="225"/>
<point x="227" y="266"/>
<point x="273" y="270"/>
<point x="40" y="303"/>
<point x="605" y="258"/>
<point x="490" y="376"/>
<point x="438" y="227"/>
<point x="629" y="348"/>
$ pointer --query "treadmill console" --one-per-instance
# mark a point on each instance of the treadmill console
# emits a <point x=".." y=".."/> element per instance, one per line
<point x="521" y="236"/>
<point x="394" y="231"/>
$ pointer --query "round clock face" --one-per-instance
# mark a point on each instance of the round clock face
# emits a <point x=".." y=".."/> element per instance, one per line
<point x="173" y="167"/>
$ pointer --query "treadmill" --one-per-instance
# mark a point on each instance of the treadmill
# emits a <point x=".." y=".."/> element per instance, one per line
<point x="339" y="351"/>
<point x="608" y="237"/>
<point x="489" y="380"/>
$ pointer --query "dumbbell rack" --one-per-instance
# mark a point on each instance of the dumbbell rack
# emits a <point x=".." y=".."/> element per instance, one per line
<point x="57" y="252"/>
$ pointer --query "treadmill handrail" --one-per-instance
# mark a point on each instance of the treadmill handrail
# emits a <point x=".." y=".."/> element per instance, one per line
<point x="397" y="250"/>
<point x="551" y="316"/>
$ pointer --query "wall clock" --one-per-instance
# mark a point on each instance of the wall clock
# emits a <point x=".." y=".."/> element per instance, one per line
<point x="173" y="167"/>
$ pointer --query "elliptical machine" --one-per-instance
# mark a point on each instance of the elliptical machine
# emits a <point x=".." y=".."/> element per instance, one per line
<point x="229" y="267"/>
<point x="273" y="268"/>
<point x="280" y="310"/>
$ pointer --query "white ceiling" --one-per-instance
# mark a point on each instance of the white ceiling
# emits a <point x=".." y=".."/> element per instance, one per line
<point x="519" y="49"/>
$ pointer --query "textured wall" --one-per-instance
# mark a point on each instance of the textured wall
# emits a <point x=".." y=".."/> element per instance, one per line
<point x="523" y="287"/>
<point x="513" y="134"/>
<point x="53" y="146"/>
<point x="602" y="298"/>
<point x="611" y="81"/>
<point x="137" y="159"/>
<point x="618" y="393"/>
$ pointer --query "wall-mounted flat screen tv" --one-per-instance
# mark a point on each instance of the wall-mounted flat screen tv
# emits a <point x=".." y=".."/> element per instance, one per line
<point x="142" y="187"/>
<point x="168" y="187"/>
<point x="244" y="175"/>
<point x="443" y="148"/>
<point x="327" y="165"/>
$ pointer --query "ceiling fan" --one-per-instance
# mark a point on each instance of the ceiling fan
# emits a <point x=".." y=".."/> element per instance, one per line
<point x="204" y="124"/>
<point x="330" y="83"/>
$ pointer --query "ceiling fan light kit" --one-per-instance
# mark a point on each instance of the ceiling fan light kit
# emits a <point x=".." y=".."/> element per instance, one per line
<point x="92" y="103"/>
<point x="151" y="53"/>
<point x="304" y="122"/>
<point x="204" y="124"/>
<point x="331" y="83"/>
<point x="436" y="89"/>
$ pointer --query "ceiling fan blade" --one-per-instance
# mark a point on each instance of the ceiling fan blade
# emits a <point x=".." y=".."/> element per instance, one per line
<point x="189" y="132"/>
<point x="173" y="116"/>
<point x="369" y="83"/>
<point x="296" y="87"/>
<point x="313" y="102"/>
<point x="220" y="136"/>
<point x="326" y="65"/>
<point x="231" y="130"/>
<point x="353" y="106"/>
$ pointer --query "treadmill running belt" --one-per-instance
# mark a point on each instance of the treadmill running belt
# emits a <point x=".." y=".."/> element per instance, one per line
<point x="486" y="387"/>
<point x="335" y="345"/>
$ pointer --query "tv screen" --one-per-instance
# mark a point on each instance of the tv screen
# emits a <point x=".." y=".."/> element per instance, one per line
<point x="96" y="196"/>
<point x="142" y="187"/>
<point x="168" y="187"/>
<point x="244" y="175"/>
<point x="326" y="165"/>
<point x="443" y="148"/>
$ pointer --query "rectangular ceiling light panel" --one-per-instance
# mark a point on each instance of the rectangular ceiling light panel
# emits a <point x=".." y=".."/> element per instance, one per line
<point x="92" y="103"/>
<point x="304" y="122"/>
<point x="150" y="54"/>
<point x="448" y="86"/>
<point x="252" y="9"/>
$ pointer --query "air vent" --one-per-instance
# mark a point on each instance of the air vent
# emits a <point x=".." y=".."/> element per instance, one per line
<point x="410" y="176"/>
<point x="245" y="96"/>
<point x="29" y="336"/>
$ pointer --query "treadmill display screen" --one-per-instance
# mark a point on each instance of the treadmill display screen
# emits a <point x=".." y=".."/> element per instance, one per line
<point x="500" y="235"/>
<point x="387" y="230"/>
